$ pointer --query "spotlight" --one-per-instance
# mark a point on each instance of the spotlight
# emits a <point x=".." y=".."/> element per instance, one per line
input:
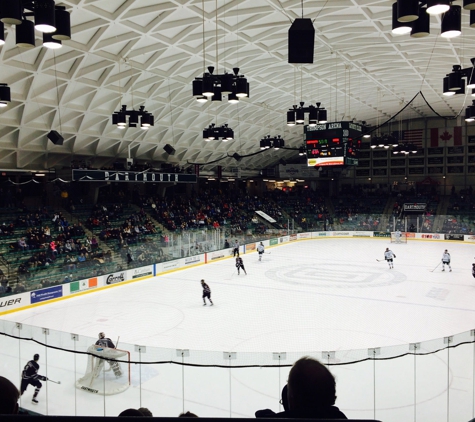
<point x="50" y="42"/>
<point x="45" y="16"/>
<point x="407" y="10"/>
<point x="399" y="28"/>
<point x="25" y="34"/>
<point x="4" y="95"/>
<point x="452" y="22"/>
<point x="11" y="12"/>
<point x="421" y="27"/>
<point x="437" y="7"/>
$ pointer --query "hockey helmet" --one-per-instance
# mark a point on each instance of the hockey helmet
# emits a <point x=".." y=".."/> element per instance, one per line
<point x="101" y="335"/>
<point x="36" y="356"/>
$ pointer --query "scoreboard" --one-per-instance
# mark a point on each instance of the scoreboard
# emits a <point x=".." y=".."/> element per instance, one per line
<point x="333" y="144"/>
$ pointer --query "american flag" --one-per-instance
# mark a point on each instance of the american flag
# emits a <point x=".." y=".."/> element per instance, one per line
<point x="413" y="136"/>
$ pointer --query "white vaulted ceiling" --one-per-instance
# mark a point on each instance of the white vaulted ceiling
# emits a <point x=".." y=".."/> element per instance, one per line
<point x="147" y="52"/>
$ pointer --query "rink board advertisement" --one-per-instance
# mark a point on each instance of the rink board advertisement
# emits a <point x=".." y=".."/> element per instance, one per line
<point x="113" y="278"/>
<point x="81" y="285"/>
<point x="146" y="271"/>
<point x="46" y="294"/>
<point x="211" y="256"/>
<point x="10" y="303"/>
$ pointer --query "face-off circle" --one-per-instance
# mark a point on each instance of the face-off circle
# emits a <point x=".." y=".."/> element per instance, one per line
<point x="331" y="276"/>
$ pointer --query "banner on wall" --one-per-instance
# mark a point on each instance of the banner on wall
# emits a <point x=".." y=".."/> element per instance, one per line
<point x="449" y="136"/>
<point x="273" y="242"/>
<point x="454" y="237"/>
<point x="78" y="286"/>
<point x="115" y="277"/>
<point x="381" y="234"/>
<point x="250" y="247"/>
<point x="146" y="271"/>
<point x="46" y="294"/>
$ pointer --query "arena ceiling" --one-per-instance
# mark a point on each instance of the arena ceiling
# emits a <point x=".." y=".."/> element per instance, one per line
<point x="147" y="52"/>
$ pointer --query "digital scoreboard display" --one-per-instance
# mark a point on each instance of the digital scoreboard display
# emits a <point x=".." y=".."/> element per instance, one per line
<point x="332" y="144"/>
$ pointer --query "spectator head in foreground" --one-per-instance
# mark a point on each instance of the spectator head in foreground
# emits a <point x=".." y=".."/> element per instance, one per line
<point x="9" y="397"/>
<point x="131" y="412"/>
<point x="311" y="390"/>
<point x="187" y="415"/>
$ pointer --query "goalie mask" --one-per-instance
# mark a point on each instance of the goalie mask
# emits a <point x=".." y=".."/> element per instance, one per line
<point x="102" y="335"/>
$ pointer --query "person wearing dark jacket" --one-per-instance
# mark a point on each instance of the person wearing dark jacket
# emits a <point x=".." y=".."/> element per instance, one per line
<point x="311" y="392"/>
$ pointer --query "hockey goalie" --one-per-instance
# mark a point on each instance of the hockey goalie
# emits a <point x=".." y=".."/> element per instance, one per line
<point x="104" y="375"/>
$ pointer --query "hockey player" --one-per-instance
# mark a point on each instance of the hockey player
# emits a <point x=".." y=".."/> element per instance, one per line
<point x="206" y="293"/>
<point x="388" y="256"/>
<point x="236" y="248"/>
<point x="398" y="234"/>
<point x="30" y="376"/>
<point x="105" y="342"/>
<point x="446" y="260"/>
<point x="240" y="265"/>
<point x="473" y="270"/>
<point x="260" y="250"/>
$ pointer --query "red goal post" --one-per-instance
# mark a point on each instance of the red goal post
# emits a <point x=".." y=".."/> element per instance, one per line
<point x="398" y="237"/>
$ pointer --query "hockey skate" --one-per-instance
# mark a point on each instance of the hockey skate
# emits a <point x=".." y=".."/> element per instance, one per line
<point x="34" y="401"/>
<point x="443" y="269"/>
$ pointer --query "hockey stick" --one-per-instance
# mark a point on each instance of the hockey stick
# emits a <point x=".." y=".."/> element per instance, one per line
<point x="56" y="382"/>
<point x="435" y="268"/>
<point x="379" y="260"/>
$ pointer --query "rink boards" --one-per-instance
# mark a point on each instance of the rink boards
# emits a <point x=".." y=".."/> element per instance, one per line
<point x="29" y="299"/>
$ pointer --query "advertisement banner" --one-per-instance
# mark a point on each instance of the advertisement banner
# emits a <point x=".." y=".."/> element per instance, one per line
<point x="410" y="235"/>
<point x="454" y="237"/>
<point x="284" y="239"/>
<point x="430" y="236"/>
<point x="171" y="265"/>
<point x="469" y="238"/>
<point x="362" y="234"/>
<point x="77" y="286"/>
<point x="273" y="242"/>
<point x="250" y="247"/>
<point x="304" y="236"/>
<point x="414" y="207"/>
<point x="321" y="234"/>
<point x="46" y="294"/>
<point x="218" y="254"/>
<point x="146" y="271"/>
<point x="13" y="302"/>
<point x="343" y="234"/>
<point x="381" y="234"/>
<point x="115" y="277"/>
<point x="192" y="259"/>
<point x="293" y="237"/>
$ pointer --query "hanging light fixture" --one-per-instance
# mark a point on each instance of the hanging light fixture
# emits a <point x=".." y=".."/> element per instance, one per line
<point x="25" y="34"/>
<point x="44" y="16"/>
<point x="50" y="42"/>
<point x="268" y="142"/>
<point x="5" y="97"/>
<point x="407" y="10"/>
<point x="421" y="27"/>
<point x="11" y="12"/>
<point x="133" y="118"/>
<point x="459" y="79"/>
<point x="437" y="7"/>
<point x="452" y="22"/>
<point x="399" y="28"/>
<point x="470" y="113"/>
<point x="316" y="115"/>
<point x="213" y="132"/>
<point x="47" y="16"/>
<point x="469" y="4"/>
<point x="2" y="33"/>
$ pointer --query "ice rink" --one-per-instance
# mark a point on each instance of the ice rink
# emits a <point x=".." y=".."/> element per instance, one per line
<point x="306" y="296"/>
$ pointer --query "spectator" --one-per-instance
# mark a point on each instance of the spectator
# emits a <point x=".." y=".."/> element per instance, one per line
<point x="311" y="392"/>
<point x="131" y="412"/>
<point x="187" y="415"/>
<point x="268" y="413"/>
<point x="145" y="411"/>
<point x="9" y="397"/>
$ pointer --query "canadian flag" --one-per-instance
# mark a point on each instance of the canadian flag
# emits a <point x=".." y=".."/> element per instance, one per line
<point x="446" y="137"/>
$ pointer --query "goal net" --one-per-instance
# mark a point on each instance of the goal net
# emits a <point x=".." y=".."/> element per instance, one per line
<point x="103" y="374"/>
<point x="398" y="237"/>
